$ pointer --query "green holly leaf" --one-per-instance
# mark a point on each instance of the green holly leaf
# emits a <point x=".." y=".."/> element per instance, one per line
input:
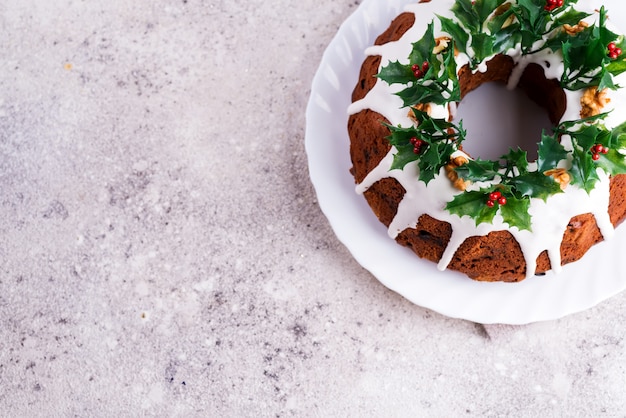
<point x="472" y="204"/>
<point x="515" y="213"/>
<point x="460" y="35"/>
<point x="570" y="17"/>
<point x="496" y="22"/>
<point x="482" y="44"/>
<point x="478" y="170"/>
<point x="400" y="138"/>
<point x="516" y="158"/>
<point x="464" y="11"/>
<point x="484" y="8"/>
<point x="396" y="73"/>
<point x="404" y="156"/>
<point x="506" y="38"/>
<point x="423" y="49"/>
<point x="583" y="170"/>
<point x="606" y="80"/>
<point x="432" y="159"/>
<point x="613" y="162"/>
<point x="616" y="67"/>
<point x="534" y="184"/>
<point x="531" y="11"/>
<point x="618" y="137"/>
<point x="588" y="136"/>
<point x="551" y="152"/>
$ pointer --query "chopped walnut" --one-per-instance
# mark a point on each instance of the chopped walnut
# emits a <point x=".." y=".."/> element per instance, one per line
<point x="423" y="107"/>
<point x="457" y="182"/>
<point x="573" y="30"/>
<point x="441" y="44"/>
<point x="593" y="102"/>
<point x="560" y="175"/>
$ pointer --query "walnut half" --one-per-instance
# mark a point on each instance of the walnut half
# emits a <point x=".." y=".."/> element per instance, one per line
<point x="593" y="102"/>
<point x="457" y="182"/>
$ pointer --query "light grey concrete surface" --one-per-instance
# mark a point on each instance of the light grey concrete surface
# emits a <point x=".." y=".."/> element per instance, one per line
<point x="162" y="252"/>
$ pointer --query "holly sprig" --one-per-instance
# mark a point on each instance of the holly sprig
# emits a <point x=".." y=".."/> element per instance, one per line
<point x="593" y="147"/>
<point x="486" y="27"/>
<point x="437" y="139"/>
<point x="438" y="84"/>
<point x="536" y="20"/>
<point x="588" y="57"/>
<point x="511" y="178"/>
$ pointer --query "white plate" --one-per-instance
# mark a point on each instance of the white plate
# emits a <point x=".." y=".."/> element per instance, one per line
<point x="581" y="285"/>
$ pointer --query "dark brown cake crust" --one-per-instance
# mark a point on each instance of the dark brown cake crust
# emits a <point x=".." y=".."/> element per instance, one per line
<point x="496" y="256"/>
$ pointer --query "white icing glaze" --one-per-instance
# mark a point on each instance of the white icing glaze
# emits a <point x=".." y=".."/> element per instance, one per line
<point x="549" y="219"/>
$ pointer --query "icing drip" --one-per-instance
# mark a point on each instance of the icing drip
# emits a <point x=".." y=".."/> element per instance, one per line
<point x="549" y="219"/>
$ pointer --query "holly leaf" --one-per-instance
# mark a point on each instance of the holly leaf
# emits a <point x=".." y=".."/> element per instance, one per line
<point x="534" y="184"/>
<point x="484" y="8"/>
<point x="587" y="136"/>
<point x="613" y="162"/>
<point x="478" y="170"/>
<point x="618" y="137"/>
<point x="606" y="81"/>
<point x="482" y="44"/>
<point x="515" y="213"/>
<point x="396" y="73"/>
<point x="570" y="17"/>
<point x="404" y="156"/>
<point x="616" y="67"/>
<point x="423" y="49"/>
<point x="460" y="35"/>
<point x="517" y="158"/>
<point x="432" y="159"/>
<point x="506" y="38"/>
<point x="551" y="152"/>
<point x="583" y="170"/>
<point x="472" y="204"/>
<point x="464" y="11"/>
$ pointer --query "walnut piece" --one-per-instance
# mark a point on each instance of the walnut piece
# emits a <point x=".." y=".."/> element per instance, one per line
<point x="452" y="175"/>
<point x="441" y="44"/>
<point x="573" y="30"/>
<point x="560" y="175"/>
<point x="593" y="102"/>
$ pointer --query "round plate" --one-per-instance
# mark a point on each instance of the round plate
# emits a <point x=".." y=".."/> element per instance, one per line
<point x="581" y="285"/>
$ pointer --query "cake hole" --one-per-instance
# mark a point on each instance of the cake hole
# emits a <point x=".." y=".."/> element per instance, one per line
<point x="497" y="119"/>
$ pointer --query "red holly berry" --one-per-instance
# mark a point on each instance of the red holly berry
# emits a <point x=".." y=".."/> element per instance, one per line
<point x="417" y="144"/>
<point x="553" y="4"/>
<point x="595" y="157"/>
<point x="490" y="203"/>
<point x="502" y="201"/>
<point x="420" y="72"/>
<point x="599" y="149"/>
<point x="493" y="196"/>
<point x="614" y="51"/>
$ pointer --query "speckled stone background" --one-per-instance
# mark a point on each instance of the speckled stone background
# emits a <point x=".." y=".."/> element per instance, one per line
<point x="162" y="252"/>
